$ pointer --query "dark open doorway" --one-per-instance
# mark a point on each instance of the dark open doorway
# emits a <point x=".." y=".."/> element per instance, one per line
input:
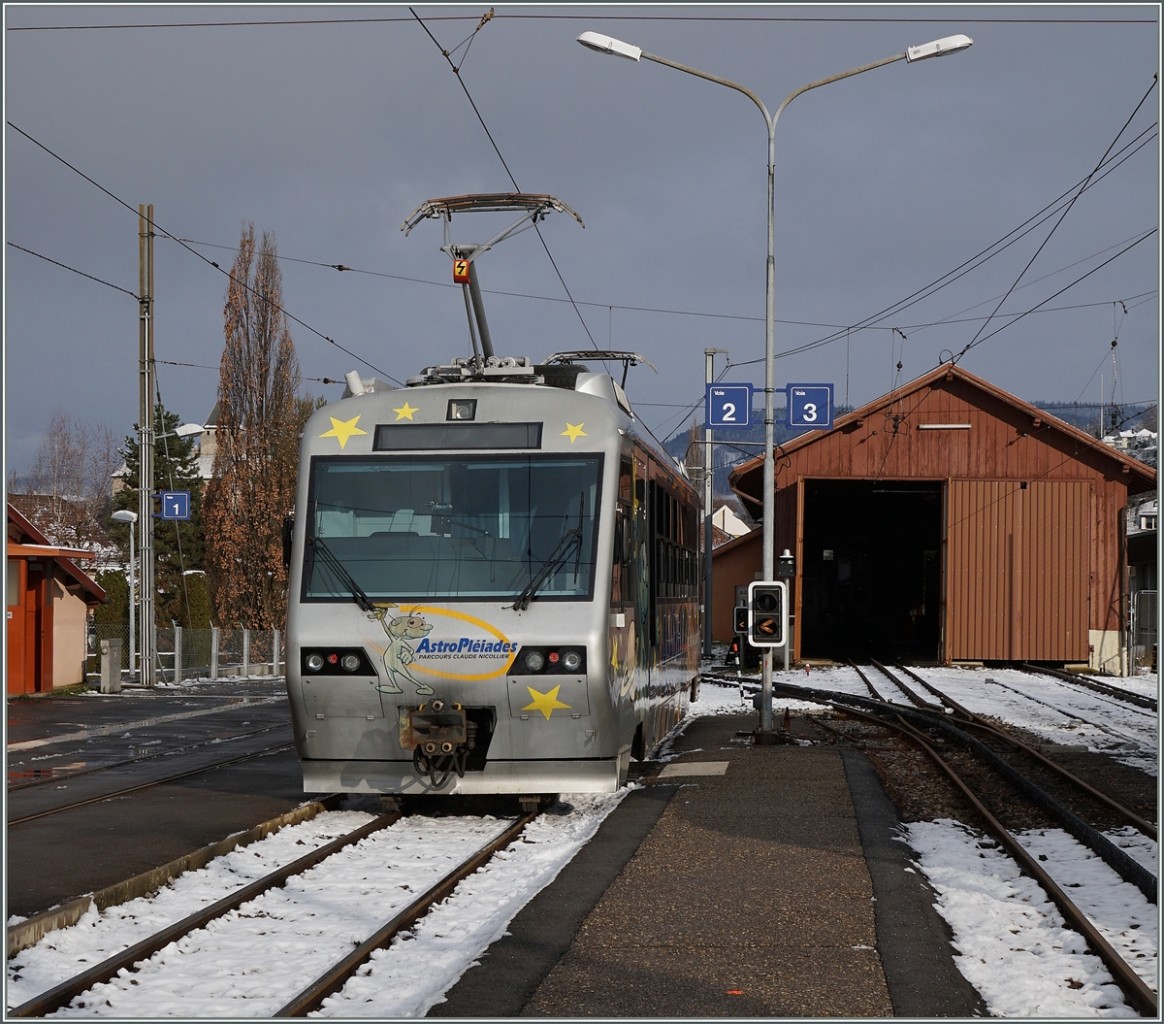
<point x="871" y="570"/>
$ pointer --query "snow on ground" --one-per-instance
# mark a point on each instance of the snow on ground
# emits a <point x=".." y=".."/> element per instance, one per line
<point x="1009" y="939"/>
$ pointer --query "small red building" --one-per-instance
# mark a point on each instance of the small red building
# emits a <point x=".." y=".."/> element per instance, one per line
<point x="946" y="521"/>
<point x="49" y="599"/>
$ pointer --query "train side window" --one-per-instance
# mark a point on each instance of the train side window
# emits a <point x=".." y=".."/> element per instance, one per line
<point x="288" y="528"/>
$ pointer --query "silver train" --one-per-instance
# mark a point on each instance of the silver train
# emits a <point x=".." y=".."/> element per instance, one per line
<point x="494" y="583"/>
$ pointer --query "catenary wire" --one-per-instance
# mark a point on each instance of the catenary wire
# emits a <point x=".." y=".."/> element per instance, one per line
<point x="978" y="338"/>
<point x="607" y="15"/>
<point x="154" y="226"/>
<point x="496" y="149"/>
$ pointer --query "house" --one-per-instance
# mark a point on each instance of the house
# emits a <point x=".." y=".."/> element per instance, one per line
<point x="49" y="600"/>
<point x="726" y="520"/>
<point x="1143" y="580"/>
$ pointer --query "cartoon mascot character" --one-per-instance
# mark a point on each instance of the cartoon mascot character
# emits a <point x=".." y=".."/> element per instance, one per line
<point x="398" y="655"/>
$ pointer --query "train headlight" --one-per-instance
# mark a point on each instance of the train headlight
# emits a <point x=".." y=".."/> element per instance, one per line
<point x="462" y="409"/>
<point x="335" y="661"/>
<point x="551" y="660"/>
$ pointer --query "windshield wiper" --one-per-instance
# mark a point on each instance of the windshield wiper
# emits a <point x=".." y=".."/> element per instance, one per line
<point x="325" y="554"/>
<point x="570" y="539"/>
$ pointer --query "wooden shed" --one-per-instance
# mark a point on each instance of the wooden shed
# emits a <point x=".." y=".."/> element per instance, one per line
<point x="49" y="599"/>
<point x="948" y="521"/>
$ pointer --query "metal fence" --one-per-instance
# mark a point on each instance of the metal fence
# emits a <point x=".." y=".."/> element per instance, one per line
<point x="196" y="653"/>
<point x="1144" y="629"/>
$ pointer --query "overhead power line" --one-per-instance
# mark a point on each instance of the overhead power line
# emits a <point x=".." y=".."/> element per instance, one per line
<point x="978" y="339"/>
<point x="607" y="15"/>
<point x="159" y="229"/>
<point x="74" y="270"/>
<point x="671" y="310"/>
<point x="497" y="149"/>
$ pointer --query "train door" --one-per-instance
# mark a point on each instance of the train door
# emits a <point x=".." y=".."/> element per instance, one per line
<point x="622" y="562"/>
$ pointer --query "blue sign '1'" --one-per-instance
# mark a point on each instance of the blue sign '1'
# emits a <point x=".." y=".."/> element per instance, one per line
<point x="175" y="504"/>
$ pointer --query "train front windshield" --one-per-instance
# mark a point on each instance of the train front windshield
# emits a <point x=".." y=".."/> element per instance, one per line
<point x="517" y="527"/>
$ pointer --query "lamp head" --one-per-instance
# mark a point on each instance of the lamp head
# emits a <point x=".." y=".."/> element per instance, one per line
<point x="606" y="44"/>
<point x="123" y="515"/>
<point x="938" y="48"/>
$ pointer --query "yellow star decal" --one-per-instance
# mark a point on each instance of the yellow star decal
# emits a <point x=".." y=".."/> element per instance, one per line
<point x="574" y="431"/>
<point x="341" y="430"/>
<point x="546" y="703"/>
<point x="405" y="411"/>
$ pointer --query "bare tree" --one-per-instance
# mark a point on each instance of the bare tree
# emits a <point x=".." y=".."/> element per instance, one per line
<point x="70" y="488"/>
<point x="259" y="418"/>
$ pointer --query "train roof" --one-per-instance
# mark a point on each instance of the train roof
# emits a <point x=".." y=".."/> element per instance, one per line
<point x="564" y="370"/>
<point x="560" y="370"/>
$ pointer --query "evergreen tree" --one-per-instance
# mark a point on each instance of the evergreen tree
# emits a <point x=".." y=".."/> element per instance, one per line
<point x="178" y="544"/>
<point x="116" y="609"/>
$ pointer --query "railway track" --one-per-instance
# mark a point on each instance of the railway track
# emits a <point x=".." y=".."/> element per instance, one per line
<point x="958" y="743"/>
<point x="392" y="899"/>
<point x="1137" y="992"/>
<point x="25" y="807"/>
<point x="1085" y="682"/>
<point x="21" y="778"/>
<point x="1002" y="742"/>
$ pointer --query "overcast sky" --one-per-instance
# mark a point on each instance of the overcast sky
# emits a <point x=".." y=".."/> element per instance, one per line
<point x="328" y="125"/>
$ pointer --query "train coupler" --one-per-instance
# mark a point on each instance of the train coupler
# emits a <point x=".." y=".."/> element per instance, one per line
<point x="437" y="727"/>
<point x="440" y="736"/>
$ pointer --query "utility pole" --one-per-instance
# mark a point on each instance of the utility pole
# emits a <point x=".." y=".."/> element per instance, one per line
<point x="145" y="493"/>
<point x="708" y="497"/>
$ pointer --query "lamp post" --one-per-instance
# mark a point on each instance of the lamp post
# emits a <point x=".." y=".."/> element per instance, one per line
<point x="125" y="516"/>
<point x="149" y="625"/>
<point x="708" y="498"/>
<point x="605" y="44"/>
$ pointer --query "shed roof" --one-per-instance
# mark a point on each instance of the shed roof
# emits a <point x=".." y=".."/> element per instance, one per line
<point x="746" y="478"/>
<point x="26" y="541"/>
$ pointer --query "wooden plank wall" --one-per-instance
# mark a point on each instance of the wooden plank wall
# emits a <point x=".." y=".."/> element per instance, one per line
<point x="1018" y="565"/>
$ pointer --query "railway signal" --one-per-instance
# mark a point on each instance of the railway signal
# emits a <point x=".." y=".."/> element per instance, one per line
<point x="741" y="618"/>
<point x="767" y="613"/>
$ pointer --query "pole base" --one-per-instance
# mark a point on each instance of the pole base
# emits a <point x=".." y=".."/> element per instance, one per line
<point x="767" y="738"/>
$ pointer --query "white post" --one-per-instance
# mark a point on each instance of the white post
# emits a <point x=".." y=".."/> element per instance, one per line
<point x="126" y="516"/>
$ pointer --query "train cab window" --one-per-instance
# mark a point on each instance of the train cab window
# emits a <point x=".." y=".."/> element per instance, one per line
<point x="477" y="527"/>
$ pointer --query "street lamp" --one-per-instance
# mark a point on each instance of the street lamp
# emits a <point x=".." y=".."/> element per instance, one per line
<point x="708" y="498"/>
<point x="125" y="516"/>
<point x="149" y="627"/>
<point x="937" y="48"/>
